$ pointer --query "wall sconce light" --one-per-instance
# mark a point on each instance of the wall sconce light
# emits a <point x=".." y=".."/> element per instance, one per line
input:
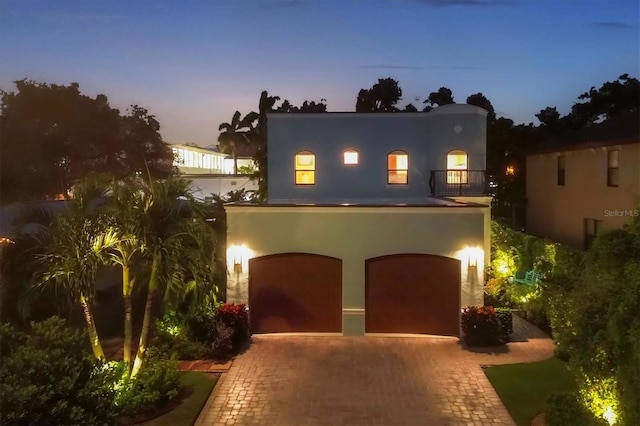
<point x="237" y="263"/>
<point x="238" y="259"/>
<point x="473" y="260"/>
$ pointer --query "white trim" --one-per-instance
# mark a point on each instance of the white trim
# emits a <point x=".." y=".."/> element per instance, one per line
<point x="353" y="311"/>
<point x="302" y="334"/>
<point x="450" y="109"/>
<point x="409" y="335"/>
<point x="455" y="209"/>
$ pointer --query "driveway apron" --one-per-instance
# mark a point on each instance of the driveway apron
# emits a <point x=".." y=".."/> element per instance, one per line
<point x="303" y="380"/>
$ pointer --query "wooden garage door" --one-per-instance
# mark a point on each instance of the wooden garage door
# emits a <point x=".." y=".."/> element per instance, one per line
<point x="295" y="292"/>
<point x="412" y="293"/>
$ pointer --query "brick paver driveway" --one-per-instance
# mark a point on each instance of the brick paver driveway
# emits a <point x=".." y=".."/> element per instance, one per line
<point x="300" y="380"/>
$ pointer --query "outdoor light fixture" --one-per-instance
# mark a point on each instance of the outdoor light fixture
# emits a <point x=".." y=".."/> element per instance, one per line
<point x="237" y="263"/>
<point x="6" y="241"/>
<point x="238" y="259"/>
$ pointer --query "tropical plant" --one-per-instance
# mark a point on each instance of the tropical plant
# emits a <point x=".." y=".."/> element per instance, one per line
<point x="258" y="138"/>
<point x="179" y="245"/>
<point x="73" y="252"/>
<point x="49" y="377"/>
<point x="235" y="133"/>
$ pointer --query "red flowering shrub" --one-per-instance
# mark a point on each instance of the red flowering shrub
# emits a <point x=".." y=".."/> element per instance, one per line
<point x="236" y="318"/>
<point x="481" y="326"/>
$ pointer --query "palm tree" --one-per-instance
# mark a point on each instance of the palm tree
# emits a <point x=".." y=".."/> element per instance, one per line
<point x="258" y="137"/>
<point x="73" y="251"/>
<point x="235" y="133"/>
<point x="171" y="228"/>
<point x="124" y="247"/>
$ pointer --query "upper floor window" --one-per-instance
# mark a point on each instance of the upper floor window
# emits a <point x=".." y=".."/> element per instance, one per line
<point x="305" y="167"/>
<point x="612" y="167"/>
<point x="350" y="156"/>
<point x="457" y="166"/>
<point x="398" y="168"/>
<point x="561" y="169"/>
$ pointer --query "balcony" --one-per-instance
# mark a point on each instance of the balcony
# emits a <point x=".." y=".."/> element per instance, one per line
<point x="453" y="183"/>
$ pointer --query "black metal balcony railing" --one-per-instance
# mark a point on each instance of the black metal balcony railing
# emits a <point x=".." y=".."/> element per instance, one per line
<point x="447" y="183"/>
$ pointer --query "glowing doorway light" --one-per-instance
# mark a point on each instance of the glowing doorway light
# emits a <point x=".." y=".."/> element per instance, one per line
<point x="238" y="258"/>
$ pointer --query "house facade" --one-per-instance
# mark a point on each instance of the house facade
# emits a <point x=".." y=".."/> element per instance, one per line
<point x="211" y="171"/>
<point x="576" y="191"/>
<point x="374" y="223"/>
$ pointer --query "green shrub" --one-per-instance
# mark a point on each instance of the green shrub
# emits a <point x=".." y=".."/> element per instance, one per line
<point x="156" y="384"/>
<point x="481" y="326"/>
<point x="496" y="293"/>
<point x="565" y="410"/>
<point x="201" y="323"/>
<point x="172" y="337"/>
<point x="506" y="323"/>
<point x="52" y="378"/>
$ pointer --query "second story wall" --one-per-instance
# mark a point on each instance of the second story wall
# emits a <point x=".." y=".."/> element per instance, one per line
<point x="588" y="197"/>
<point x="425" y="138"/>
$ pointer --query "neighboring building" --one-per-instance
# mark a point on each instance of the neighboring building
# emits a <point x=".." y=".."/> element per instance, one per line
<point x="374" y="223"/>
<point x="583" y="185"/>
<point x="211" y="171"/>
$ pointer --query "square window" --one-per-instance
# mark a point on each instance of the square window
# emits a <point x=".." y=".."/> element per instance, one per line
<point x="398" y="177"/>
<point x="305" y="177"/>
<point x="350" y="157"/>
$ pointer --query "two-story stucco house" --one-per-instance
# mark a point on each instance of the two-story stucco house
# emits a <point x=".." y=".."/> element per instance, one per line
<point x="374" y="223"/>
<point x="586" y="184"/>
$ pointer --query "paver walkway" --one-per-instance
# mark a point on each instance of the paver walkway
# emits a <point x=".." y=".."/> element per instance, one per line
<point x="301" y="380"/>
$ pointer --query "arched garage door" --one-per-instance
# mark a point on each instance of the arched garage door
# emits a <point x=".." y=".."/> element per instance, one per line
<point x="412" y="293"/>
<point x="295" y="292"/>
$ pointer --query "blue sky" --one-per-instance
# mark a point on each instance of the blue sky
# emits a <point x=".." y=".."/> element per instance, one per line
<point x="193" y="63"/>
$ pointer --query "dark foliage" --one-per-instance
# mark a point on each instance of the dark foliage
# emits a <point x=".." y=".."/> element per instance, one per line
<point x="566" y="410"/>
<point x="481" y="326"/>
<point x="52" y="135"/>
<point x="506" y="323"/>
<point x="48" y="376"/>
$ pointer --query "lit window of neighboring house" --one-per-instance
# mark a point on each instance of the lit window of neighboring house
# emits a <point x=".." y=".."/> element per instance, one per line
<point x="350" y="156"/>
<point x="592" y="228"/>
<point x="305" y="166"/>
<point x="457" y="165"/>
<point x="612" y="167"/>
<point x="561" y="169"/>
<point x="397" y="168"/>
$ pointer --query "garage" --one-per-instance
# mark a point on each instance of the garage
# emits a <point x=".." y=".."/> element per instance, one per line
<point x="412" y="293"/>
<point x="295" y="292"/>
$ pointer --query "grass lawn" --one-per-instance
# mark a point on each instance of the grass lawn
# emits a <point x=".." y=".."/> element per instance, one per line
<point x="525" y="388"/>
<point x="199" y="386"/>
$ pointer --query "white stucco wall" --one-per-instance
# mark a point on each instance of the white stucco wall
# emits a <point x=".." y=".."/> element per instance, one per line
<point x="425" y="137"/>
<point x="355" y="234"/>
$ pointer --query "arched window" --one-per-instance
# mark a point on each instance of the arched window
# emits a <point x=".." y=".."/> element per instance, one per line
<point x="350" y="156"/>
<point x="397" y="168"/>
<point x="305" y="167"/>
<point x="457" y="166"/>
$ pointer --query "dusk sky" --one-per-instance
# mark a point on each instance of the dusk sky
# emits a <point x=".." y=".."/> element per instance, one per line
<point x="193" y="63"/>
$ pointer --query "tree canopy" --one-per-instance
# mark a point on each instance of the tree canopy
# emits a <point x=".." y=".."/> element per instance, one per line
<point x="443" y="96"/>
<point x="381" y="97"/>
<point x="53" y="135"/>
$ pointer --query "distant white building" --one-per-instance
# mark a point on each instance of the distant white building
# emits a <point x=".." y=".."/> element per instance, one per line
<point x="211" y="171"/>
